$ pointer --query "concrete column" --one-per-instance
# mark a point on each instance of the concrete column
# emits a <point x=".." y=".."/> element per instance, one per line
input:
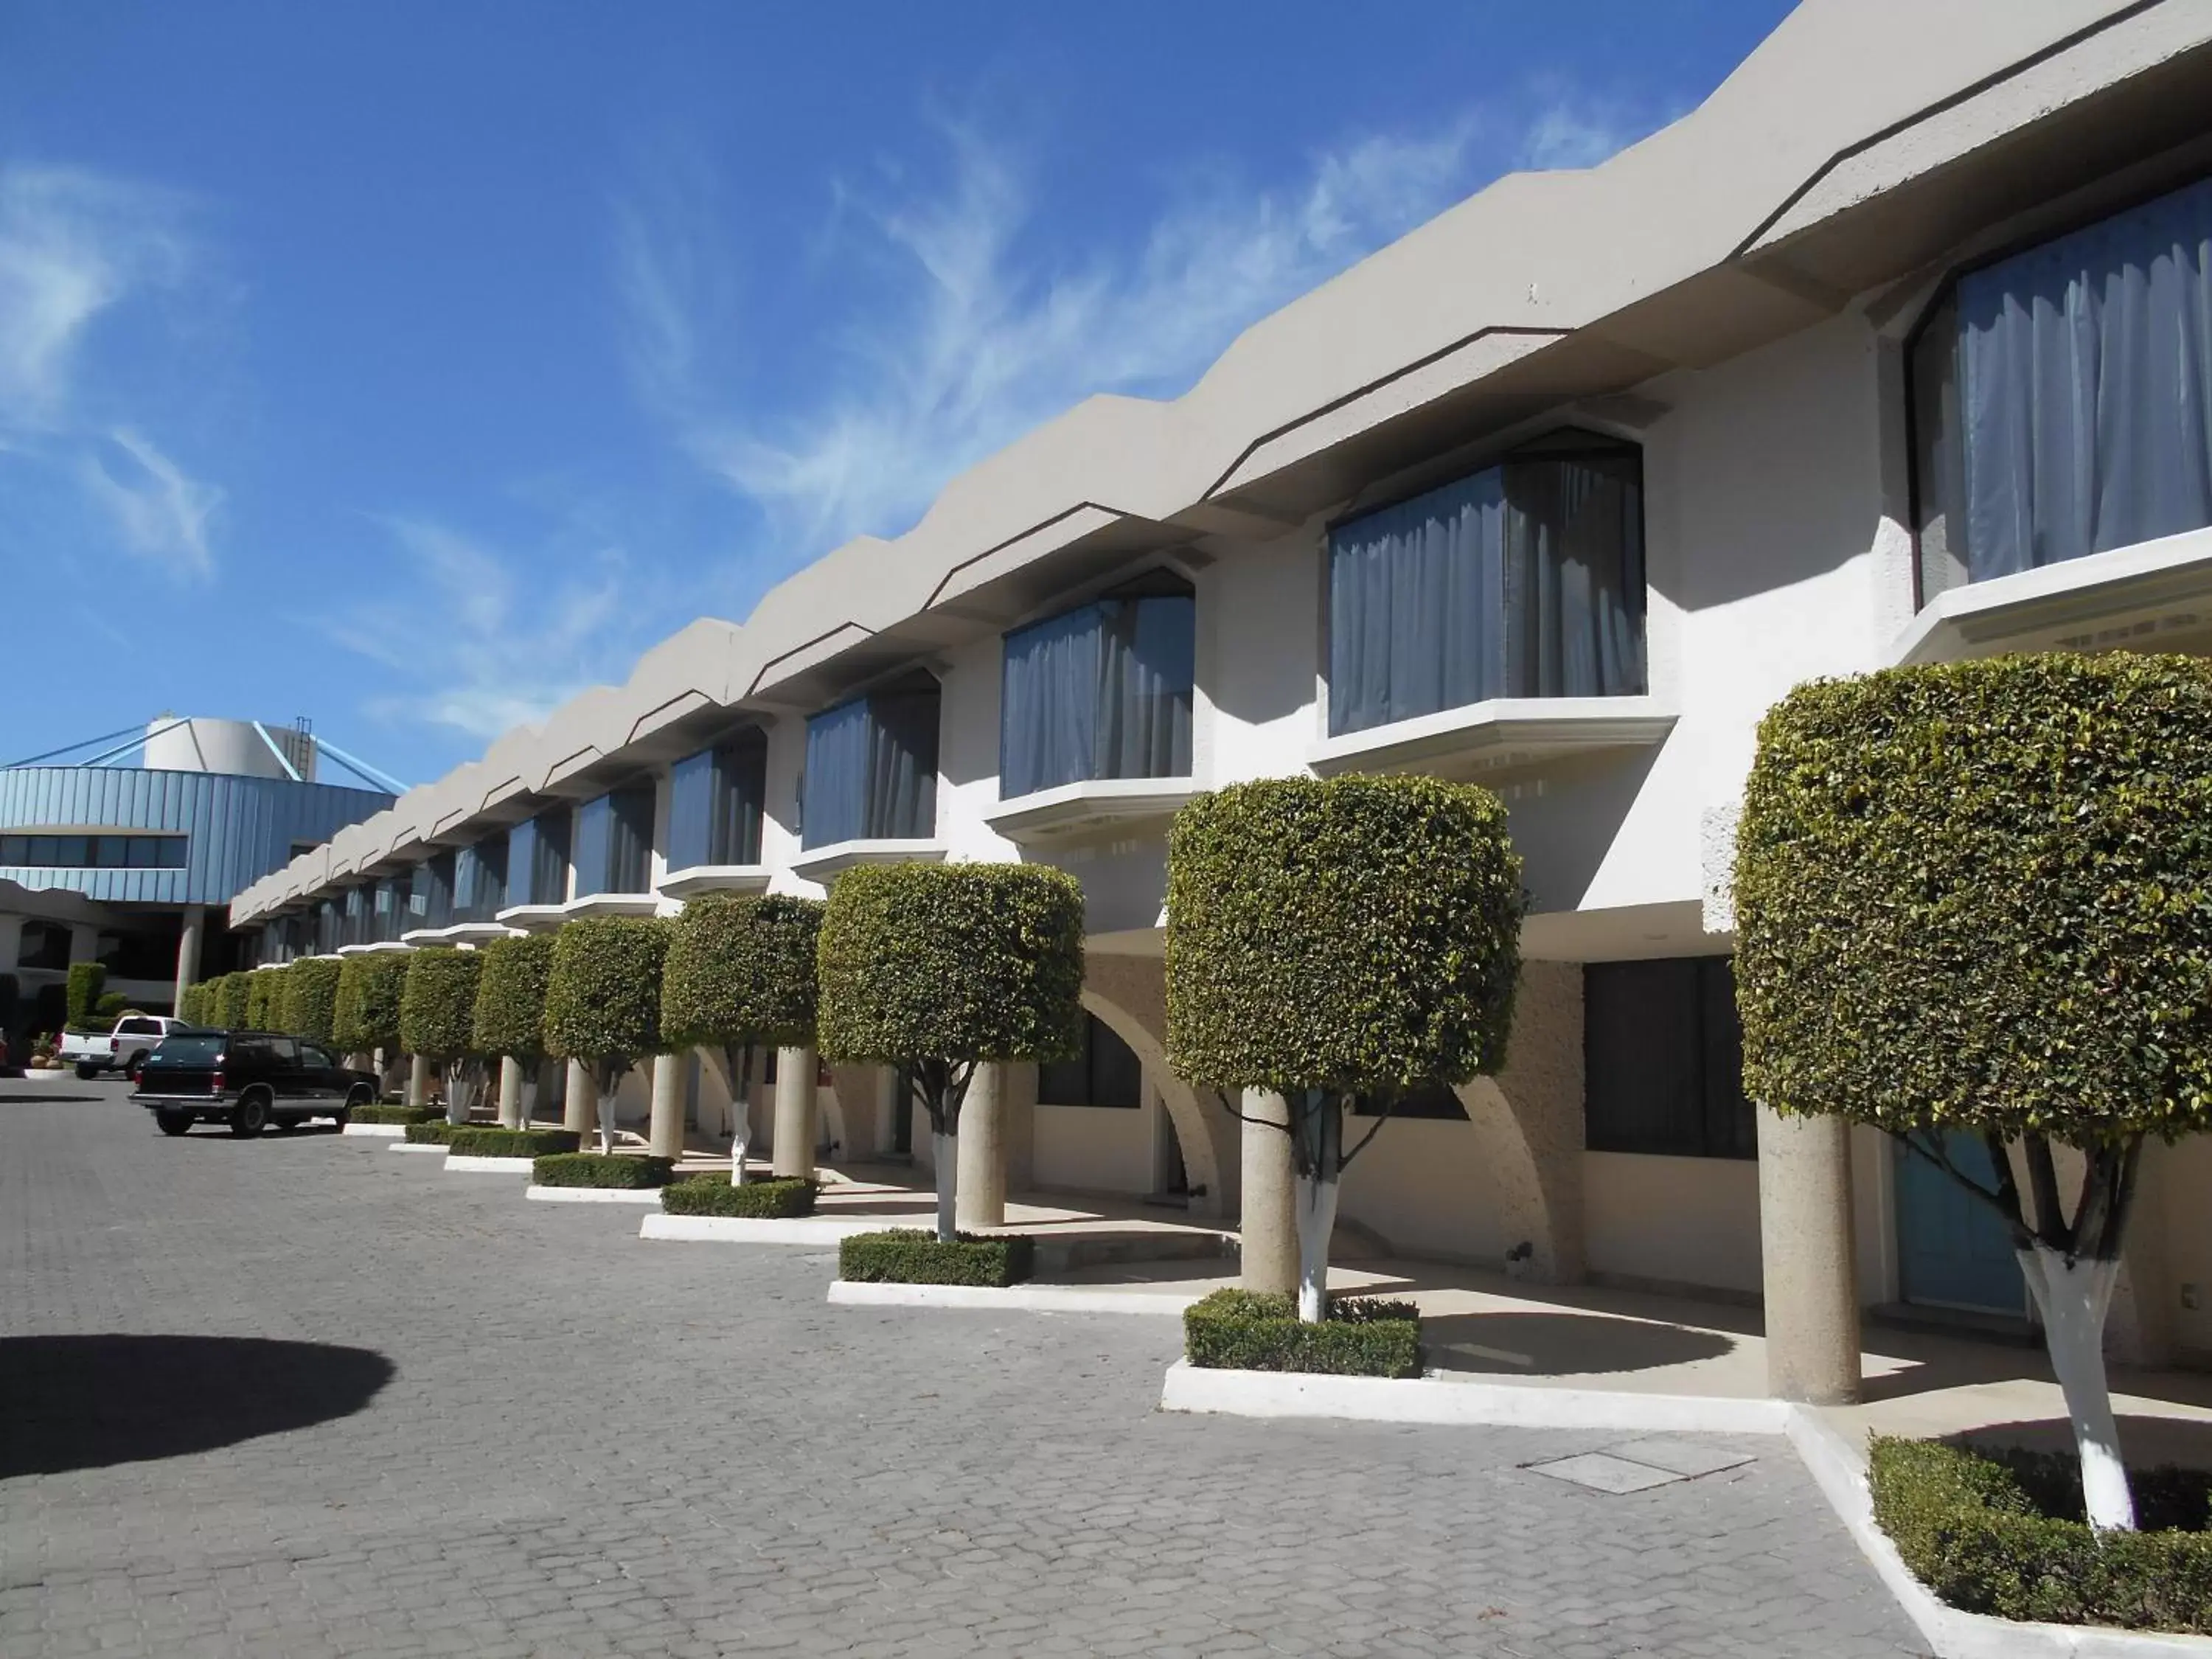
<point x="188" y="952"/>
<point x="1807" y="1260"/>
<point x="980" y="1187"/>
<point x="791" y="1150"/>
<point x="510" y="1092"/>
<point x="418" y="1080"/>
<point x="1268" y="1229"/>
<point x="665" y="1133"/>
<point x="579" y="1111"/>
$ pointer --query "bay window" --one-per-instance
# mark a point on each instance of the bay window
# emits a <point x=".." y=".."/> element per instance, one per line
<point x="1100" y="691"/>
<point x="538" y="860"/>
<point x="714" y="802"/>
<point x="871" y="768"/>
<point x="480" y="880"/>
<point x="614" y="842"/>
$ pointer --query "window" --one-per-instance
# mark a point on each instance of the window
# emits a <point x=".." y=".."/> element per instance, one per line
<point x="480" y="880"/>
<point x="714" y="802"/>
<point x="311" y="1055"/>
<point x="388" y="909"/>
<point x="300" y="848"/>
<point x="871" y="768"/>
<point x="353" y="927"/>
<point x="1433" y="1100"/>
<point x="330" y="926"/>
<point x="1662" y="1059"/>
<point x="430" y="892"/>
<point x="1524" y="580"/>
<point x="93" y="852"/>
<point x="1107" y="1072"/>
<point x="43" y="945"/>
<point x="1100" y="691"/>
<point x="538" y="860"/>
<point x="614" y="842"/>
<point x="2061" y="397"/>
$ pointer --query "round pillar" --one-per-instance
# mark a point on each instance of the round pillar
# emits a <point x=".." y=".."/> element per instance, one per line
<point x="510" y="1092"/>
<point x="664" y="1134"/>
<point x="578" y="1108"/>
<point x="1268" y="1233"/>
<point x="1807" y="1260"/>
<point x="792" y="1152"/>
<point x="418" y="1081"/>
<point x="982" y="1149"/>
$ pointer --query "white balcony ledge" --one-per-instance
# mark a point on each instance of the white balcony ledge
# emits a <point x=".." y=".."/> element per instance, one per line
<point x="695" y="878"/>
<point x="1504" y="734"/>
<point x="1101" y="806"/>
<point x="370" y="948"/>
<point x="612" y="905"/>
<point x="2154" y="596"/>
<point x="460" y="933"/>
<point x="532" y="918"/>
<point x="825" y="863"/>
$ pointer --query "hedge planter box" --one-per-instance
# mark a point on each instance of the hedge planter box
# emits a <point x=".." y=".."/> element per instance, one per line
<point x="431" y="1132"/>
<point x="906" y="1256"/>
<point x="398" y="1115"/>
<point x="774" y="1200"/>
<point x="481" y="1140"/>
<point x="1245" y="1331"/>
<point x="2001" y="1534"/>
<point x="594" y="1169"/>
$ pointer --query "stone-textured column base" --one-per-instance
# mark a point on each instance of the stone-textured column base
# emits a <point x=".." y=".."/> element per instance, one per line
<point x="418" y="1080"/>
<point x="792" y="1151"/>
<point x="982" y="1149"/>
<point x="1807" y="1260"/>
<point x="510" y="1092"/>
<point x="579" y="1110"/>
<point x="1268" y="1228"/>
<point x="664" y="1134"/>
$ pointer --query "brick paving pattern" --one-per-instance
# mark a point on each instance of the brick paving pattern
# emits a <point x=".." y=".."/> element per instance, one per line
<point x="406" y="1412"/>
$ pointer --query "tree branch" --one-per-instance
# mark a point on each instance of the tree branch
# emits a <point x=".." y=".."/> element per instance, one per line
<point x="1935" y="1156"/>
<point x="2008" y="1190"/>
<point x="2050" y="1225"/>
<point x="1388" y="1102"/>
<point x="1222" y="1094"/>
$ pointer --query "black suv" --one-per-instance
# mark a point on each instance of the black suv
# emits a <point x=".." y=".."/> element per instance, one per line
<point x="248" y="1079"/>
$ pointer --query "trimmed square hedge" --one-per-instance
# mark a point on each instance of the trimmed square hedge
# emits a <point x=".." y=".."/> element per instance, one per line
<point x="710" y="1193"/>
<point x="483" y="1140"/>
<point x="393" y="1114"/>
<point x="428" y="1132"/>
<point x="2002" y="1532"/>
<point x="905" y="1256"/>
<point x="1247" y="1331"/>
<point x="596" y="1170"/>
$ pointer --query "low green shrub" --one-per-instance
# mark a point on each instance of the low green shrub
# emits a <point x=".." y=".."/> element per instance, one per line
<point x="710" y="1193"/>
<point x="1248" y="1331"/>
<point x="423" y="1132"/>
<point x="906" y="1256"/>
<point x="483" y="1140"/>
<point x="394" y="1114"/>
<point x="2001" y="1533"/>
<point x="594" y="1169"/>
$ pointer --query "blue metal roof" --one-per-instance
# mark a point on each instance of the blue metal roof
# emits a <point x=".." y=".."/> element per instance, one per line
<point x="238" y="829"/>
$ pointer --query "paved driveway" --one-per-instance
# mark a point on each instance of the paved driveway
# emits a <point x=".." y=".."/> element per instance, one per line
<point x="368" y="1407"/>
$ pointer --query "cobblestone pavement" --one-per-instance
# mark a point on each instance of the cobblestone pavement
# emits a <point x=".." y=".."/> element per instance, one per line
<point x="460" y="1423"/>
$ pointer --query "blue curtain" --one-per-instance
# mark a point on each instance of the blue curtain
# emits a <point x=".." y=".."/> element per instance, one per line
<point x="1100" y="691"/>
<point x="2086" y="371"/>
<point x="691" y="812"/>
<point x="1523" y="581"/>
<point x="714" y="802"/>
<point x="872" y="770"/>
<point x="594" y="838"/>
<point x="480" y="881"/>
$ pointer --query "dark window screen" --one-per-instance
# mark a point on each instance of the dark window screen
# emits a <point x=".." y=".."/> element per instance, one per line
<point x="1662" y="1059"/>
<point x="1107" y="1072"/>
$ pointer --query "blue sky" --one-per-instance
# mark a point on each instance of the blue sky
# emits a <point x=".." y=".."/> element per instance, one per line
<point x="411" y="366"/>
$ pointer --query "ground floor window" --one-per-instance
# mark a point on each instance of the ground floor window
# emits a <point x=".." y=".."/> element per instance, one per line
<point x="1662" y="1059"/>
<point x="1106" y="1073"/>
<point x="1432" y="1099"/>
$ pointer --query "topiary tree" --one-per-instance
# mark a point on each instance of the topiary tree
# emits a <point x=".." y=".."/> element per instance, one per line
<point x="603" y="1001"/>
<point x="231" y="1002"/>
<point x="1976" y="899"/>
<point x="1340" y="943"/>
<point x="86" y="979"/>
<point x="189" y="1005"/>
<point x="310" y="999"/>
<point x="365" y="1016"/>
<point x="936" y="968"/>
<point x="510" y="1010"/>
<point x="261" y="986"/>
<point x="437" y="1020"/>
<point x="741" y="975"/>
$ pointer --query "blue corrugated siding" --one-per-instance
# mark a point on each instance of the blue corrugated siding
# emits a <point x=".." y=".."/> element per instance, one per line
<point x="239" y="828"/>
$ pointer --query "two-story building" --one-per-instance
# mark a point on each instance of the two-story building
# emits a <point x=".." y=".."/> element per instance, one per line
<point x="1898" y="347"/>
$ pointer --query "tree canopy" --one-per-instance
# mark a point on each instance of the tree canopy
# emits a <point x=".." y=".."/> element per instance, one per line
<point x="741" y="969"/>
<point x="437" y="1006"/>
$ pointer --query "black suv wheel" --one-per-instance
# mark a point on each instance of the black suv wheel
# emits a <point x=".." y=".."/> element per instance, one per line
<point x="251" y="1116"/>
<point x="173" y="1123"/>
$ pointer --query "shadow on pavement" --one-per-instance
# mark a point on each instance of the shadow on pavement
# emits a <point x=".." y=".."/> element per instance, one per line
<point x="1562" y="1344"/>
<point x="38" y="1097"/>
<point x="83" y="1402"/>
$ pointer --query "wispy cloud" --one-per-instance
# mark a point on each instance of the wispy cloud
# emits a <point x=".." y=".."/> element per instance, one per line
<point x="979" y="329"/>
<point x="478" y="647"/>
<point x="76" y="248"/>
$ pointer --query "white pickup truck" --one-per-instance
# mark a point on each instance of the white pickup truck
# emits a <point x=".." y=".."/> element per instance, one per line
<point x="121" y="1049"/>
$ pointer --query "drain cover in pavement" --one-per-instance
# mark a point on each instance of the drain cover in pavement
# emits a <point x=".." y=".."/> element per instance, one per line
<point x="1601" y="1471"/>
<point x="1688" y="1458"/>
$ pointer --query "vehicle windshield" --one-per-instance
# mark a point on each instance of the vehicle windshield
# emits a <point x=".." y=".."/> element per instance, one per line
<point x="201" y="1048"/>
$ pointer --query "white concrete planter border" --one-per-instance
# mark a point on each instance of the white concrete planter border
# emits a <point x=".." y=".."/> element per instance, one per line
<point x="413" y="1145"/>
<point x="1025" y="1298"/>
<point x="1952" y="1634"/>
<point x="751" y="1229"/>
<point x="1190" y="1388"/>
<point x="455" y="1165"/>
<point x="590" y="1194"/>
<point x="376" y="1131"/>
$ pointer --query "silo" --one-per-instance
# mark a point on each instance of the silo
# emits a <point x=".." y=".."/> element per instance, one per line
<point x="198" y="745"/>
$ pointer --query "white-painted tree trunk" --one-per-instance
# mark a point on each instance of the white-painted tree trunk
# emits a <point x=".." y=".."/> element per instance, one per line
<point x="529" y="1111"/>
<point x="607" y="1119"/>
<point x="741" y="1136"/>
<point x="947" y="1151"/>
<point x="1317" y="1222"/>
<point x="2073" y="1300"/>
